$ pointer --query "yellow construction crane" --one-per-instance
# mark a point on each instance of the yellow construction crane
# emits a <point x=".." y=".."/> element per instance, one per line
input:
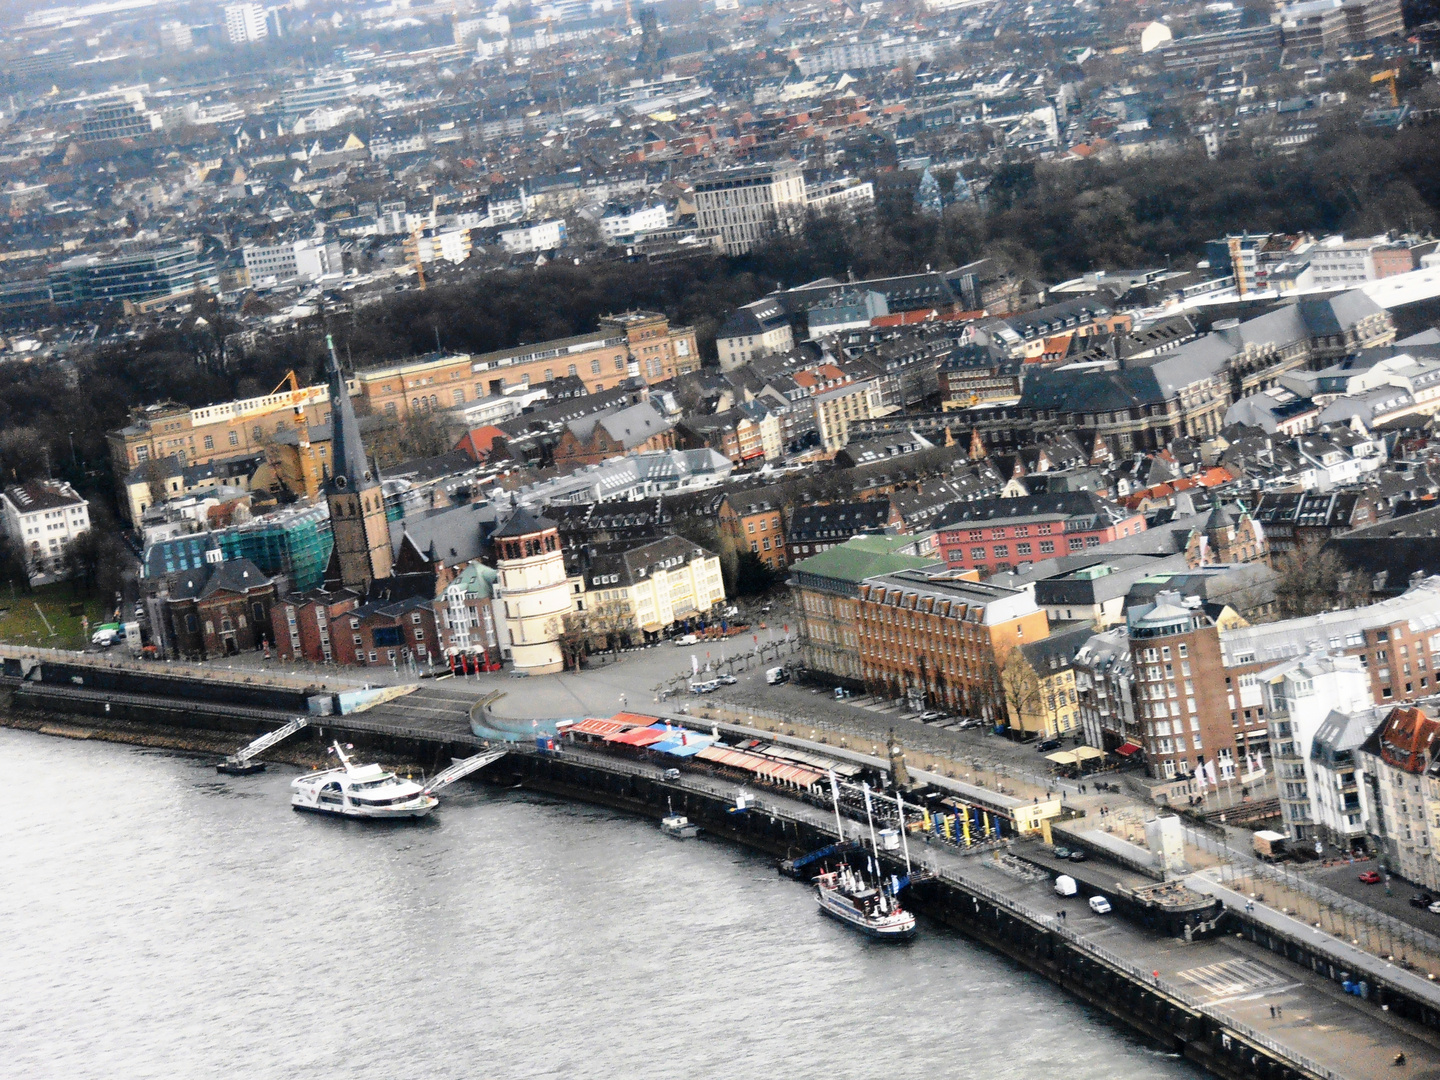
<point x="1389" y="75"/>
<point x="297" y="398"/>
<point x="419" y="263"/>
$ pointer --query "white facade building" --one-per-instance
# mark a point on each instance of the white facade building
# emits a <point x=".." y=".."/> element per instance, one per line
<point x="653" y="586"/>
<point x="619" y="222"/>
<point x="744" y="206"/>
<point x="302" y="260"/>
<point x="41" y="518"/>
<point x="434" y="245"/>
<point x="244" y="23"/>
<point x="1302" y="693"/>
<point x="531" y="236"/>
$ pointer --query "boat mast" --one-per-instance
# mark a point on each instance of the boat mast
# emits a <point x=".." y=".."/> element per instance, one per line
<point x="904" y="839"/>
<point x="875" y="849"/>
<point x="835" y="800"/>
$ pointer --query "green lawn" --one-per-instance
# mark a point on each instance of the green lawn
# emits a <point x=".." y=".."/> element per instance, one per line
<point x="21" y="624"/>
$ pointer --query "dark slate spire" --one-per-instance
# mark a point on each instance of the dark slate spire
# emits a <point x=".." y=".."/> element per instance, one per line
<point x="349" y="470"/>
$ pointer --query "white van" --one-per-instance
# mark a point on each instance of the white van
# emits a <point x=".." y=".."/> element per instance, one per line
<point x="1099" y="905"/>
<point x="1065" y="885"/>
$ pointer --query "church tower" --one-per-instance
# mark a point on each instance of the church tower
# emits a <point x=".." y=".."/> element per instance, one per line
<point x="352" y="491"/>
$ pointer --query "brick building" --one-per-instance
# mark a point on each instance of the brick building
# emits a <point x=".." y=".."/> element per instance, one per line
<point x="592" y="439"/>
<point x="220" y="609"/>
<point x="995" y="535"/>
<point x="940" y="640"/>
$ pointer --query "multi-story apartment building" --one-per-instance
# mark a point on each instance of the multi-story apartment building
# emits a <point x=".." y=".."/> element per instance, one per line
<point x="941" y="639"/>
<point x="752" y="331"/>
<point x="995" y="535"/>
<point x="813" y="529"/>
<point x="176" y="37"/>
<point x="643" y="590"/>
<point x="41" y="518"/>
<point x="1336" y="781"/>
<point x="1042" y="687"/>
<point x="752" y="523"/>
<point x="743" y="206"/>
<point x="527" y="237"/>
<point x="1401" y="791"/>
<point x="826" y="588"/>
<point x="245" y="23"/>
<point x="1104" y="684"/>
<point x="1176" y="659"/>
<point x="1300" y="695"/>
<point x="836" y="409"/>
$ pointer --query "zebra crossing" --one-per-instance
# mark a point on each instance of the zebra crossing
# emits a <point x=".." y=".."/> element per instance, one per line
<point x="1236" y="978"/>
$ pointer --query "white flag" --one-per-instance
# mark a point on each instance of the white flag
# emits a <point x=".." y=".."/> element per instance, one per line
<point x="1200" y="778"/>
<point x="1210" y="773"/>
<point x="694" y="664"/>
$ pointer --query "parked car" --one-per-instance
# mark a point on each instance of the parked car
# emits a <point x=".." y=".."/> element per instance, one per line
<point x="1099" y="905"/>
<point x="931" y="717"/>
<point x="1435" y="908"/>
<point x="687" y="639"/>
<point x="1422" y="900"/>
<point x="670" y="774"/>
<point x="1370" y="877"/>
<point x="726" y="680"/>
<point x="1046" y="745"/>
<point x="1078" y="856"/>
<point x="1062" y="853"/>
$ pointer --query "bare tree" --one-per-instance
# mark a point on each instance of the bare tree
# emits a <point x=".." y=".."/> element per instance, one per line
<point x="1313" y="579"/>
<point x="575" y="638"/>
<point x="1021" y="687"/>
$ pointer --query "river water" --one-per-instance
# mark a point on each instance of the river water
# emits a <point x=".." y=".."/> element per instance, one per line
<point x="161" y="921"/>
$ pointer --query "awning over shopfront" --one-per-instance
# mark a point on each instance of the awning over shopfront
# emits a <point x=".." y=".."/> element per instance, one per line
<point x="1126" y="749"/>
<point x="592" y="726"/>
<point x="1088" y="753"/>
<point x="640" y="736"/>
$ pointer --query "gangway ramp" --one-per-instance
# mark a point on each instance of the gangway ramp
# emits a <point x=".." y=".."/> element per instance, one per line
<point x="463" y="768"/>
<point x="240" y="763"/>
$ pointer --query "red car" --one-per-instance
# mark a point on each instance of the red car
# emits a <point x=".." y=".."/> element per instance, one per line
<point x="1370" y="877"/>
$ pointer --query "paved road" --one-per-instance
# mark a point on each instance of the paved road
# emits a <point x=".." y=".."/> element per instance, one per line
<point x="1346" y="881"/>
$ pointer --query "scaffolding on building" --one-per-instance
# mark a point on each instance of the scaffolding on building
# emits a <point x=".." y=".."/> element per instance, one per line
<point x="295" y="542"/>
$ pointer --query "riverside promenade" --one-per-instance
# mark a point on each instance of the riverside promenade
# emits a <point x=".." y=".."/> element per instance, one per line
<point x="1324" y="1032"/>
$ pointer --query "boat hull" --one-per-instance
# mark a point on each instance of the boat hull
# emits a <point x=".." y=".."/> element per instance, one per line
<point x="249" y="768"/>
<point x="376" y="814"/>
<point x="879" y="932"/>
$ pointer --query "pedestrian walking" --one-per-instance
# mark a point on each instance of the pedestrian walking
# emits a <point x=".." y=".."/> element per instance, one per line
<point x="1272" y="1012"/>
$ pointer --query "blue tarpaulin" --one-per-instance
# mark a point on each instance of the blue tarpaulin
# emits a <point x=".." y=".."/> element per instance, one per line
<point x="692" y="745"/>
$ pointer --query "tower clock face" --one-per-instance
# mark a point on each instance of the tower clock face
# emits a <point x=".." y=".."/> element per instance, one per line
<point x="341" y="483"/>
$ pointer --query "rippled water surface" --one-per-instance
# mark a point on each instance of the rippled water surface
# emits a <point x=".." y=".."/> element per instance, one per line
<point x="159" y="920"/>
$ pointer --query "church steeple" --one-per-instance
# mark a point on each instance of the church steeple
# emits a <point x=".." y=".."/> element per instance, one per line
<point x="352" y="489"/>
<point x="349" y="471"/>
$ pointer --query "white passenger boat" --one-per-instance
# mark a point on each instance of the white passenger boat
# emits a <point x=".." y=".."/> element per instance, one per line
<point x="360" y="791"/>
<point x="846" y="896"/>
